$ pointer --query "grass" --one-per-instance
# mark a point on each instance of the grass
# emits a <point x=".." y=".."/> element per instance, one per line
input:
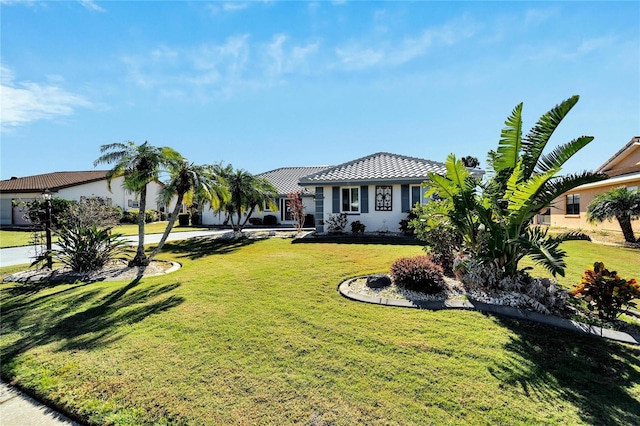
<point x="256" y="333"/>
<point x="19" y="238"/>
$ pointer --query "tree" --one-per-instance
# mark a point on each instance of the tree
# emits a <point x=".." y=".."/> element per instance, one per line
<point x="139" y="165"/>
<point x="248" y="193"/>
<point x="619" y="203"/>
<point x="469" y="161"/>
<point x="493" y="217"/>
<point x="190" y="182"/>
<point x="296" y="207"/>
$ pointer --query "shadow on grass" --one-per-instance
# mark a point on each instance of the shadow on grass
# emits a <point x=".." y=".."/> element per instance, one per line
<point x="398" y="240"/>
<point x="595" y="375"/>
<point x="196" y="248"/>
<point x="79" y="318"/>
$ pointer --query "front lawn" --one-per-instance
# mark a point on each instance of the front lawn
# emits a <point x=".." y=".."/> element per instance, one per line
<point x="256" y="333"/>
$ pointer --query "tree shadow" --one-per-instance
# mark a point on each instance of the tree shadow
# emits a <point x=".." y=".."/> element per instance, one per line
<point x="593" y="374"/>
<point x="196" y="248"/>
<point x="72" y="327"/>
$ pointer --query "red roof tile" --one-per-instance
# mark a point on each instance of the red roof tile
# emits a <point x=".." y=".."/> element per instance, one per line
<point x="54" y="181"/>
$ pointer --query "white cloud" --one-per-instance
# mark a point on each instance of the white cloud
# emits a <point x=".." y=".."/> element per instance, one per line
<point x="91" y="5"/>
<point x="228" y="7"/>
<point x="26" y="102"/>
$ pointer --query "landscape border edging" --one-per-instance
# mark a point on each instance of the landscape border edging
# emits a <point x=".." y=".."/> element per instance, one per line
<point x="501" y="310"/>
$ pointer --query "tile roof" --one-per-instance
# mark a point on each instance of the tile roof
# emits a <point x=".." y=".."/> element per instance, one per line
<point x="381" y="166"/>
<point x="286" y="179"/>
<point x="54" y="181"/>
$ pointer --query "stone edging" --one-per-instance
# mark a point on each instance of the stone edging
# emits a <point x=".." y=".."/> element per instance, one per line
<point x="507" y="311"/>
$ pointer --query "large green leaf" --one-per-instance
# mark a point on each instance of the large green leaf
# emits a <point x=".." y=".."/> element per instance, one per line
<point x="561" y="154"/>
<point x="535" y="141"/>
<point x="510" y="143"/>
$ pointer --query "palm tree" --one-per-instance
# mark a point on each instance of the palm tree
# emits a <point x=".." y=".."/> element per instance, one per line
<point x="190" y="181"/>
<point x="619" y="203"/>
<point x="248" y="193"/>
<point x="494" y="217"/>
<point x="139" y="165"/>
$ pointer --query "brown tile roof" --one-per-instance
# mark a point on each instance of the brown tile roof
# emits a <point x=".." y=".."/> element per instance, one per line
<point x="54" y="181"/>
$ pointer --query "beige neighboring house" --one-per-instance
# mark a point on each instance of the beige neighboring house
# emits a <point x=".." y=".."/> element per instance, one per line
<point x="73" y="186"/>
<point x="570" y="210"/>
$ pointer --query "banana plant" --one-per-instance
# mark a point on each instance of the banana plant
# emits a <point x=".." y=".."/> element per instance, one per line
<point x="494" y="216"/>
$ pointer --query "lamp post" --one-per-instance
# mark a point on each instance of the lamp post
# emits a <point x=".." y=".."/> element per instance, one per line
<point x="46" y="196"/>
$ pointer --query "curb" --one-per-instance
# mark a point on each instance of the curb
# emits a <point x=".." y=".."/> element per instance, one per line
<point x="506" y="311"/>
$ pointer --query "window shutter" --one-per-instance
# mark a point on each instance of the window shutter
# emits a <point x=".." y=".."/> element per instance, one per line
<point x="364" y="199"/>
<point x="336" y="199"/>
<point x="404" y="198"/>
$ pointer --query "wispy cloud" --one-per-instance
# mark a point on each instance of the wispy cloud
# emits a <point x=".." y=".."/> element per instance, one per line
<point x="91" y="5"/>
<point x="26" y="102"/>
<point x="214" y="69"/>
<point x="227" y="7"/>
<point x="360" y="55"/>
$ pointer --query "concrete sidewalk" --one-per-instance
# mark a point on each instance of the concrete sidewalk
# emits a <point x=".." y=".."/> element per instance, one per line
<point x="18" y="409"/>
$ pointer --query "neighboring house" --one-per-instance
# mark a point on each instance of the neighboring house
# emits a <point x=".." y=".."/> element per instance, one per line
<point x="72" y="186"/>
<point x="623" y="169"/>
<point x="378" y="190"/>
<point x="286" y="180"/>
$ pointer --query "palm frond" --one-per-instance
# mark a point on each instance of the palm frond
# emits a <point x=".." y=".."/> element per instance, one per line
<point x="510" y="143"/>
<point x="561" y="154"/>
<point x="536" y="140"/>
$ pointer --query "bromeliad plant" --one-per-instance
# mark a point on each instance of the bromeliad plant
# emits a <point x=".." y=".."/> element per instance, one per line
<point x="605" y="292"/>
<point x="493" y="217"/>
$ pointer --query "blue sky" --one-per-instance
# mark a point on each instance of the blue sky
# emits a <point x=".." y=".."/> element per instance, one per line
<point x="263" y="85"/>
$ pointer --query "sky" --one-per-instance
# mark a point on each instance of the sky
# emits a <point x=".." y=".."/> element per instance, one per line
<point x="268" y="84"/>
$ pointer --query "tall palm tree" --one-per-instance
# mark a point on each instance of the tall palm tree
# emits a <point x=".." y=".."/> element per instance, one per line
<point x="248" y="193"/>
<point x="494" y="217"/>
<point x="189" y="181"/>
<point x="139" y="165"/>
<point x="619" y="203"/>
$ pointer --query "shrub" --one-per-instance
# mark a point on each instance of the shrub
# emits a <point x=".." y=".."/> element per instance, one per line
<point x="357" y="227"/>
<point x="256" y="221"/>
<point x="417" y="273"/>
<point x="605" y="292"/>
<point x="86" y="249"/>
<point x="130" y="216"/>
<point x="336" y="223"/>
<point x="196" y="219"/>
<point x="183" y="219"/>
<point x="151" y="216"/>
<point x="270" y="220"/>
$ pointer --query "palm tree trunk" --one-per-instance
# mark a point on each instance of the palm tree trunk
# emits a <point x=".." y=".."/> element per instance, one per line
<point x="141" y="259"/>
<point x="627" y="229"/>
<point x="172" y="221"/>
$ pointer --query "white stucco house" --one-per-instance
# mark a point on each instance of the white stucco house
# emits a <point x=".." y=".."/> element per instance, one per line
<point x="73" y="185"/>
<point x="378" y="190"/>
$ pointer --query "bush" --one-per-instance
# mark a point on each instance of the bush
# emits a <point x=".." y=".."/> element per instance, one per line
<point x="196" y="219"/>
<point x="357" y="227"/>
<point x="130" y="216"/>
<point x="336" y="223"/>
<point x="417" y="273"/>
<point x="256" y="221"/>
<point x="605" y="292"/>
<point x="86" y="249"/>
<point x="183" y="219"/>
<point x="151" y="216"/>
<point x="270" y="220"/>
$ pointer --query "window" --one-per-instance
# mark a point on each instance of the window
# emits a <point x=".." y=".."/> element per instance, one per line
<point x="417" y="195"/>
<point x="573" y="204"/>
<point x="133" y="204"/>
<point x="285" y="209"/>
<point x="350" y="200"/>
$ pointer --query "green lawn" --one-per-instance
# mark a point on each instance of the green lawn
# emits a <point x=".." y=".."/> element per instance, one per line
<point x="256" y="333"/>
<point x="25" y="238"/>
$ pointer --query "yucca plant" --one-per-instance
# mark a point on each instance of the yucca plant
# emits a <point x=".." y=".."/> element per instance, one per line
<point x="493" y="217"/>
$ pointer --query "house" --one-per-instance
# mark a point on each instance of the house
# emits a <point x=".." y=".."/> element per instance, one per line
<point x="377" y="190"/>
<point x="74" y="186"/>
<point x="623" y="169"/>
<point x="285" y="180"/>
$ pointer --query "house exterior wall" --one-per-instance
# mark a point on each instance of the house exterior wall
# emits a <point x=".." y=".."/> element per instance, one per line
<point x="119" y="196"/>
<point x="403" y="198"/>
<point x="559" y="217"/>
<point x="209" y="217"/>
